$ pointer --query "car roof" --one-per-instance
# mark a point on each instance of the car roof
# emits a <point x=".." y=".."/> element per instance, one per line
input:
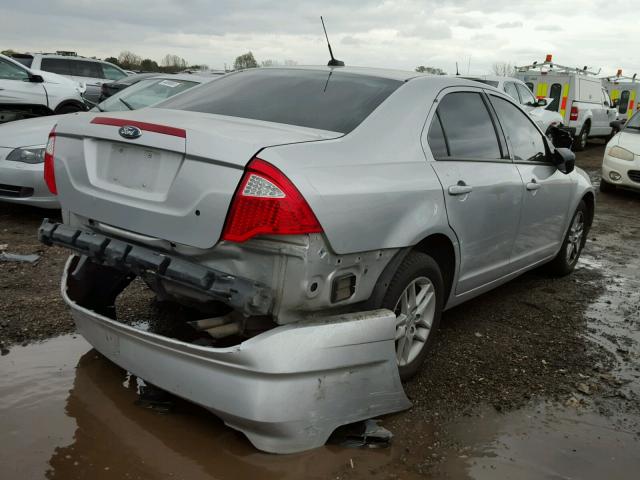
<point x="392" y="74"/>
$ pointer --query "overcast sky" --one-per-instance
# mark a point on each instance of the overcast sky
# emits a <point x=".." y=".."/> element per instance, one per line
<point x="393" y="33"/>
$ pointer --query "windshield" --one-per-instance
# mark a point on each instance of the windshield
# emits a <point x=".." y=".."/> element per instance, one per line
<point x="633" y="123"/>
<point x="327" y="100"/>
<point x="144" y="94"/>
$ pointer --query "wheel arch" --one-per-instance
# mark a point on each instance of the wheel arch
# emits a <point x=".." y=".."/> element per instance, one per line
<point x="590" y="201"/>
<point x="72" y="102"/>
<point x="439" y="246"/>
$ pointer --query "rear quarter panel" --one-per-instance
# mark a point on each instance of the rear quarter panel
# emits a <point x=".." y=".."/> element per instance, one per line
<point x="373" y="188"/>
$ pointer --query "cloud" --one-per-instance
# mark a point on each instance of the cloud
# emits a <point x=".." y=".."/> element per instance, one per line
<point x="389" y="33"/>
<point x="548" y="28"/>
<point x="509" y="25"/>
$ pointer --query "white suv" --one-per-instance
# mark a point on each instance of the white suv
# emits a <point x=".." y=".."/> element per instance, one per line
<point x="518" y="90"/>
<point x="89" y="71"/>
<point x="25" y="92"/>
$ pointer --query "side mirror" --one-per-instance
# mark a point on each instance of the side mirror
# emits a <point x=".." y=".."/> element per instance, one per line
<point x="36" y="78"/>
<point x="560" y="137"/>
<point x="564" y="159"/>
<point x="541" y="102"/>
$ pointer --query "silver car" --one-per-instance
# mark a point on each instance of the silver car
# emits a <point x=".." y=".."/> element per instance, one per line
<point x="308" y="226"/>
<point x="22" y="142"/>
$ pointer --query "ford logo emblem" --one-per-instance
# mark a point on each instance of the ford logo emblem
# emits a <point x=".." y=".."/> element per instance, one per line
<point x="130" y="132"/>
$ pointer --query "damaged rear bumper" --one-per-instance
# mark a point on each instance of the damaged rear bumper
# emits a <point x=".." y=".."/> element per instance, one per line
<point x="286" y="389"/>
<point x="248" y="297"/>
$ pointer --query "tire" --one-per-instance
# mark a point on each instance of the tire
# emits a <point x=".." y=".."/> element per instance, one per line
<point x="580" y="142"/>
<point x="606" y="187"/>
<point x="567" y="258"/>
<point x="69" y="108"/>
<point x="417" y="275"/>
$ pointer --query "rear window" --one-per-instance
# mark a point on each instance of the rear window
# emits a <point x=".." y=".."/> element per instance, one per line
<point x="335" y="101"/>
<point x="24" y="60"/>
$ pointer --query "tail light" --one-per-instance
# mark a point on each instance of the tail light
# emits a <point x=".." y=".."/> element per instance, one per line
<point x="267" y="203"/>
<point x="573" y="115"/>
<point x="49" y="173"/>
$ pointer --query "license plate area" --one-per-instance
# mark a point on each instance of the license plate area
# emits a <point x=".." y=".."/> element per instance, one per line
<point x="135" y="170"/>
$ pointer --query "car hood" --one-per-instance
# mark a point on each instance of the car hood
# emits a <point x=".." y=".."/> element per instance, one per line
<point x="630" y="141"/>
<point x="27" y="133"/>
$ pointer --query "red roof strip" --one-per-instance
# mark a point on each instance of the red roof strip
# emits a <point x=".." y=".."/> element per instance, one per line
<point x="149" y="127"/>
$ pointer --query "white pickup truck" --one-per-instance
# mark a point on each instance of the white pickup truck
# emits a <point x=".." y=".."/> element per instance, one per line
<point x="577" y="94"/>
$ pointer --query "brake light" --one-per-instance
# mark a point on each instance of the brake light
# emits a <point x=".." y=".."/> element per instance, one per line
<point x="49" y="173"/>
<point x="267" y="203"/>
<point x="573" y="115"/>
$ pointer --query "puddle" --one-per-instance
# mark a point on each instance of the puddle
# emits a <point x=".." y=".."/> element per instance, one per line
<point x="66" y="412"/>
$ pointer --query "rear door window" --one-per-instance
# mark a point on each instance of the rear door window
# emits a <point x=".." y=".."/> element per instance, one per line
<point x="526" y="142"/>
<point x="468" y="127"/>
<point x="327" y="100"/>
<point x="435" y="137"/>
<point x="61" y="66"/>
<point x="555" y="92"/>
<point x="84" y="68"/>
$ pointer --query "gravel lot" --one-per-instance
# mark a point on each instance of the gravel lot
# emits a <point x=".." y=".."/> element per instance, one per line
<point x="536" y="348"/>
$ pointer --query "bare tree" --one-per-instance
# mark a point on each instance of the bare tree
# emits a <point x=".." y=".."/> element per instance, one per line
<point x="290" y="63"/>
<point x="173" y="63"/>
<point x="503" y="69"/>
<point x="269" y="63"/>
<point x="129" y="60"/>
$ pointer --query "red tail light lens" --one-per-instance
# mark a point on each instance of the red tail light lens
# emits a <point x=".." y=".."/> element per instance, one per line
<point x="49" y="173"/>
<point x="573" y="115"/>
<point x="267" y="203"/>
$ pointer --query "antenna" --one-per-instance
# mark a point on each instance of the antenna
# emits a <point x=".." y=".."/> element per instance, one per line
<point x="457" y="72"/>
<point x="333" y="62"/>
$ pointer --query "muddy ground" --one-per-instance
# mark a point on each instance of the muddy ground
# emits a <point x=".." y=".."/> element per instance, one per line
<point x="537" y="379"/>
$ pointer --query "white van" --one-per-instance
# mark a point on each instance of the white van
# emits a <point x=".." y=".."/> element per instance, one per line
<point x="625" y="94"/>
<point x="577" y="94"/>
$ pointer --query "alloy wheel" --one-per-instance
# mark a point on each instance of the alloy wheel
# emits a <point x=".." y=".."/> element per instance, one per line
<point x="415" y="310"/>
<point x="576" y="232"/>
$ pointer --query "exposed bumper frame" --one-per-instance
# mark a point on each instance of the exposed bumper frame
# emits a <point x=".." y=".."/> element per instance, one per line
<point x="286" y="389"/>
<point x="247" y="296"/>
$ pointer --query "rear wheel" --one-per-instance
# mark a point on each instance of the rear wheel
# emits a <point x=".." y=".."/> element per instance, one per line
<point x="69" y="108"/>
<point x="581" y="140"/>
<point x="574" y="241"/>
<point x="416" y="296"/>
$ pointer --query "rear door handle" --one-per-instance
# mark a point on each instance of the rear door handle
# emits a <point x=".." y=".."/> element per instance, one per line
<point x="533" y="185"/>
<point x="460" y="189"/>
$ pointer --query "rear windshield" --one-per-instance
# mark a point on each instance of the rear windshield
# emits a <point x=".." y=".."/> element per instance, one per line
<point x="335" y="101"/>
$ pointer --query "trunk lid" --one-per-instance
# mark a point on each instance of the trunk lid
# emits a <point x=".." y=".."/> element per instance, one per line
<point x="173" y="179"/>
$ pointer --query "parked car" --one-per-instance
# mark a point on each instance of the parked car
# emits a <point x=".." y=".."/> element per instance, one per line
<point x="25" y="92"/>
<point x="22" y="143"/>
<point x="308" y="226"/>
<point x="546" y="119"/>
<point x="621" y="162"/>
<point x="89" y="71"/>
<point x="577" y="94"/>
<point x="108" y="89"/>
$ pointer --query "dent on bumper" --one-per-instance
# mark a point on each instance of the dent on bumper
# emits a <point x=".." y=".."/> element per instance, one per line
<point x="286" y="389"/>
